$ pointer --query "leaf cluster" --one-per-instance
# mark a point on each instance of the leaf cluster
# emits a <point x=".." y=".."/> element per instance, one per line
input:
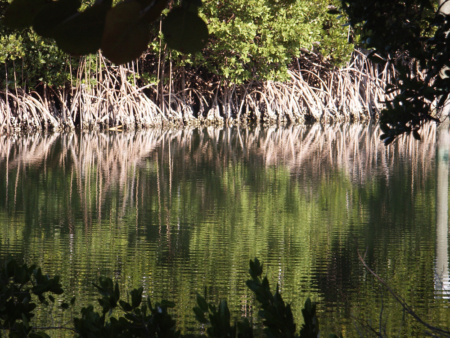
<point x="139" y="318"/>
<point x="256" y="40"/>
<point x="34" y="59"/>
<point x="412" y="35"/>
<point x="247" y="40"/>
<point x="276" y="314"/>
<point x="20" y="285"/>
<point x="122" y="31"/>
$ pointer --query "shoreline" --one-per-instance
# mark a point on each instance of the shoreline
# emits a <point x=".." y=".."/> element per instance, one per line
<point x="316" y="92"/>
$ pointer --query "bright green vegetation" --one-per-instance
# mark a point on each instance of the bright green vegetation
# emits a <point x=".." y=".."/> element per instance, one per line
<point x="180" y="211"/>
<point x="258" y="40"/>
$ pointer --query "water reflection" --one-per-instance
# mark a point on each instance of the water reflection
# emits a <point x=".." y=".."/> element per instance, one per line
<point x="178" y="210"/>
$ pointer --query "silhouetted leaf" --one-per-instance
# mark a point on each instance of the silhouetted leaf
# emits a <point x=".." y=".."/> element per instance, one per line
<point x="20" y="13"/>
<point x="82" y="33"/>
<point x="126" y="36"/>
<point x="202" y="304"/>
<point x="167" y="304"/>
<point x="388" y="140"/>
<point x="185" y="31"/>
<point x="154" y="11"/>
<point x="52" y="15"/>
<point x="136" y="297"/>
<point x="200" y="316"/>
<point x="125" y="306"/>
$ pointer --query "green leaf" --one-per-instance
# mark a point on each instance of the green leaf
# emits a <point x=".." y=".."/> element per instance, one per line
<point x="50" y="16"/>
<point x="126" y="36"/>
<point x="82" y="33"/>
<point x="185" y="31"/>
<point x="20" y="13"/>
<point x="256" y="268"/>
<point x="200" y="316"/>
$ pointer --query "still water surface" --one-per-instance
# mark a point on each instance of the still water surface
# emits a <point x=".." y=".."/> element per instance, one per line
<point x="178" y="211"/>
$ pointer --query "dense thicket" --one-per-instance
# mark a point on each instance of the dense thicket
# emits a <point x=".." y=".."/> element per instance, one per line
<point x="249" y="40"/>
<point x="257" y="40"/>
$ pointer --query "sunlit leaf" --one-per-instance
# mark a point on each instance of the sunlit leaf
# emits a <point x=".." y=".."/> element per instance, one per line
<point x="185" y="31"/>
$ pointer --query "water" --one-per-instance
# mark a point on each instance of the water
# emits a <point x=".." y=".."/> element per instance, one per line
<point x="181" y="211"/>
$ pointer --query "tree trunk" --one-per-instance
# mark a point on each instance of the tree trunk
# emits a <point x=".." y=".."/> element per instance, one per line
<point x="444" y="6"/>
<point x="442" y="167"/>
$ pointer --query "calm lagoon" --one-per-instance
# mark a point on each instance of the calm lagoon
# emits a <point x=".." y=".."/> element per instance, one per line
<point x="182" y="210"/>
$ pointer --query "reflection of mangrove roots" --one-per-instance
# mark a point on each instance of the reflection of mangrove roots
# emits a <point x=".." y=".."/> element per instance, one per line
<point x="403" y="303"/>
<point x="113" y="160"/>
<point x="115" y="98"/>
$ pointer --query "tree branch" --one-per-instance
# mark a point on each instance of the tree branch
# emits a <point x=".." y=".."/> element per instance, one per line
<point x="402" y="302"/>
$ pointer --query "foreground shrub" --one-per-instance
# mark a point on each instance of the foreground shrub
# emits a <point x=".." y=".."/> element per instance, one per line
<point x="21" y="284"/>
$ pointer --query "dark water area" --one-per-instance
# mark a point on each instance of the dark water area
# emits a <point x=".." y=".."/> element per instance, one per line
<point x="181" y="211"/>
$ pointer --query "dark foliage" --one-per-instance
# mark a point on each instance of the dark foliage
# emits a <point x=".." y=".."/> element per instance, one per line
<point x="412" y="35"/>
<point x="139" y="317"/>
